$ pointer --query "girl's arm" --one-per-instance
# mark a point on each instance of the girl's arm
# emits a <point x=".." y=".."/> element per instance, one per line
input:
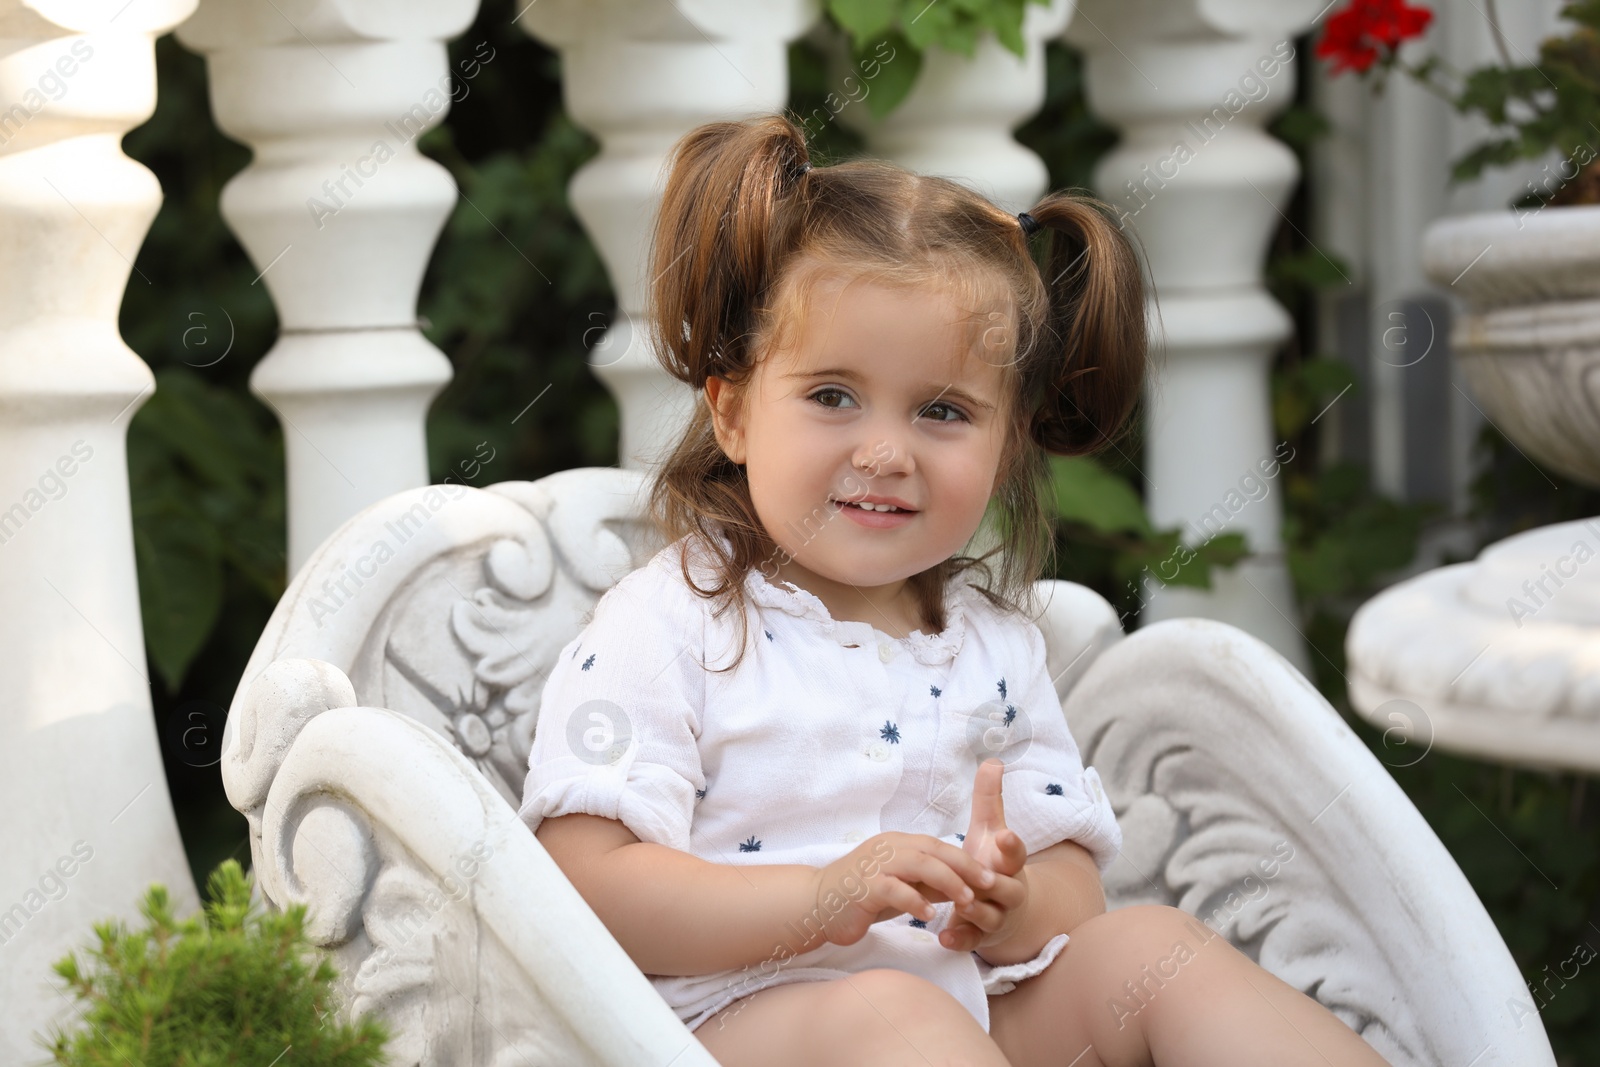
<point x="676" y="914"/>
<point x="1064" y="889"/>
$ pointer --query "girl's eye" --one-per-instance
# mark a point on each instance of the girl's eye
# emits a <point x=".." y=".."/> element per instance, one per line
<point x="955" y="413"/>
<point x="820" y="394"/>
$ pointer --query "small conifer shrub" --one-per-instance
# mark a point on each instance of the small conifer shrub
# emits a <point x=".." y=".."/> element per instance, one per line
<point x="235" y="986"/>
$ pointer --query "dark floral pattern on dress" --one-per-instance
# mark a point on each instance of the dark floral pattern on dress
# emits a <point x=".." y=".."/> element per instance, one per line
<point x="961" y="837"/>
<point x="588" y="662"/>
<point x="890" y="732"/>
<point x="751" y="845"/>
<point x="768" y="633"/>
<point x="699" y="793"/>
<point x="935" y="690"/>
<point x="918" y="923"/>
<point x="1011" y="713"/>
<point x="1002" y="688"/>
<point x="1053" y="789"/>
<point x="575" y="651"/>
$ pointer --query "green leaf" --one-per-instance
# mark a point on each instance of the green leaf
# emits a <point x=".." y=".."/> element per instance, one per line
<point x="961" y="37"/>
<point x="1088" y="493"/>
<point x="927" y="26"/>
<point x="1009" y="34"/>
<point x="1309" y="268"/>
<point x="179" y="561"/>
<point x="896" y="74"/>
<point x="1301" y="126"/>
<point x="864" y="19"/>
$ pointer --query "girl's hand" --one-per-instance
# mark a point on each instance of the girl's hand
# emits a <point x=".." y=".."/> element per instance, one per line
<point x="998" y="911"/>
<point x="892" y="874"/>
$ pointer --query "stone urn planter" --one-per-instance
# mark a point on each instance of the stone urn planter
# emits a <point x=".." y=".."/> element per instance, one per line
<point x="1529" y="342"/>
<point x="1500" y="657"/>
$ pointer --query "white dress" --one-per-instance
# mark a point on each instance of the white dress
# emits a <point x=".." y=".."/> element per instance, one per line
<point x="827" y="733"/>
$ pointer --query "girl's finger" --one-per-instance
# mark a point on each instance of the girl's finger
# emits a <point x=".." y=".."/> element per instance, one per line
<point x="934" y="878"/>
<point x="1008" y="892"/>
<point x="1013" y="853"/>
<point x="988" y="811"/>
<point x="972" y="870"/>
<point x="986" y="917"/>
<point x="892" y="897"/>
<point x="961" y="937"/>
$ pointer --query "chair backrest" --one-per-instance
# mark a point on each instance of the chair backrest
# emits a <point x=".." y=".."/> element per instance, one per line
<point x="448" y="604"/>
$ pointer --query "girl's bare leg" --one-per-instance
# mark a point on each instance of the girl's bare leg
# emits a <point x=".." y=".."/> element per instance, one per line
<point x="882" y="1017"/>
<point x="1194" y="1001"/>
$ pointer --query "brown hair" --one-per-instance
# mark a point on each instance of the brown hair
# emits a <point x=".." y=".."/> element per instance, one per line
<point x="747" y="226"/>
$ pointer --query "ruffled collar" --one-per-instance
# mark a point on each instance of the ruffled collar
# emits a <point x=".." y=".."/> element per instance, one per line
<point x="961" y="595"/>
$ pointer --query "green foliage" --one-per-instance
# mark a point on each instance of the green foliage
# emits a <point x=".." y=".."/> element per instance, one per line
<point x="911" y="27"/>
<point x="1302" y="393"/>
<point x="1088" y="493"/>
<point x="1100" y="511"/>
<point x="1551" y="103"/>
<point x="232" y="987"/>
<point x="1304" y="269"/>
<point x="208" y="465"/>
<point x="1299" y="126"/>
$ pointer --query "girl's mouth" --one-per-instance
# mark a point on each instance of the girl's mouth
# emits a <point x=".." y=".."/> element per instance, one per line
<point x="875" y="516"/>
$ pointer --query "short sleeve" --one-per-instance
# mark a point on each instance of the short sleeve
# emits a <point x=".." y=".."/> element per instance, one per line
<point x="619" y="716"/>
<point x="1049" y="795"/>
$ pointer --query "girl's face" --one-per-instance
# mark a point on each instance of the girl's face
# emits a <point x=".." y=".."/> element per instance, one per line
<point x="882" y="400"/>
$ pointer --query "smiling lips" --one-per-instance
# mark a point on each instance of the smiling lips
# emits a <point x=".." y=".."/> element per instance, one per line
<point x="876" y="512"/>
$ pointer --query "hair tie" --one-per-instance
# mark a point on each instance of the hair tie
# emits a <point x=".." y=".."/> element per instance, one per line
<point x="799" y="172"/>
<point x="1030" y="225"/>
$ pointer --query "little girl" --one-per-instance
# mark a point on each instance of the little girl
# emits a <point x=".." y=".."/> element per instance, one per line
<point x="808" y="764"/>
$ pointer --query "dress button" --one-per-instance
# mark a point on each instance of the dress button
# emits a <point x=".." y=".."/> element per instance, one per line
<point x="886" y="652"/>
<point x="854" y="836"/>
<point x="923" y="935"/>
<point x="878" y="751"/>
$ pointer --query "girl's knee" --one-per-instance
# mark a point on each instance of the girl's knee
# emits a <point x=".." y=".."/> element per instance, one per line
<point x="892" y="1016"/>
<point x="885" y="992"/>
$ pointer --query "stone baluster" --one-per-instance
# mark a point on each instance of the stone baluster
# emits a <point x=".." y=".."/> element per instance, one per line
<point x="638" y="75"/>
<point x="957" y="119"/>
<point x="339" y="212"/>
<point x="89" y="823"/>
<point x="1190" y="85"/>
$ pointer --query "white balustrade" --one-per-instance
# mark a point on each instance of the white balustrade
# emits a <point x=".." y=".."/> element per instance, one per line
<point x="638" y="75"/>
<point x="1190" y="85"/>
<point x="88" y="820"/>
<point x="339" y="212"/>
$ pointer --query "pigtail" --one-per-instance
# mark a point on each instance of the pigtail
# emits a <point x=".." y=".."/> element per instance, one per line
<point x="711" y="251"/>
<point x="730" y="206"/>
<point x="1087" y="382"/>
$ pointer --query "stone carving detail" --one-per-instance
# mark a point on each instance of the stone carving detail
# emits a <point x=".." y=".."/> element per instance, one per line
<point x="1245" y="799"/>
<point x="395" y="822"/>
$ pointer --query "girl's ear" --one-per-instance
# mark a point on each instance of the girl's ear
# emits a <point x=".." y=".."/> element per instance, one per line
<point x="726" y="417"/>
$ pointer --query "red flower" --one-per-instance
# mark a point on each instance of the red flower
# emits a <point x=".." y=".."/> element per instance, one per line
<point x="1368" y="30"/>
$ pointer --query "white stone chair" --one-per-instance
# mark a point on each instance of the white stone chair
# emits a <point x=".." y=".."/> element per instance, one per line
<point x="380" y="735"/>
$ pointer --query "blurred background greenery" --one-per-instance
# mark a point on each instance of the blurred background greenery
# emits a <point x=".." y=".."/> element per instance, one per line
<point x="206" y="462"/>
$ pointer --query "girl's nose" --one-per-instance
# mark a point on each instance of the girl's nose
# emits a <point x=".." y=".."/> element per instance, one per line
<point x="883" y="455"/>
